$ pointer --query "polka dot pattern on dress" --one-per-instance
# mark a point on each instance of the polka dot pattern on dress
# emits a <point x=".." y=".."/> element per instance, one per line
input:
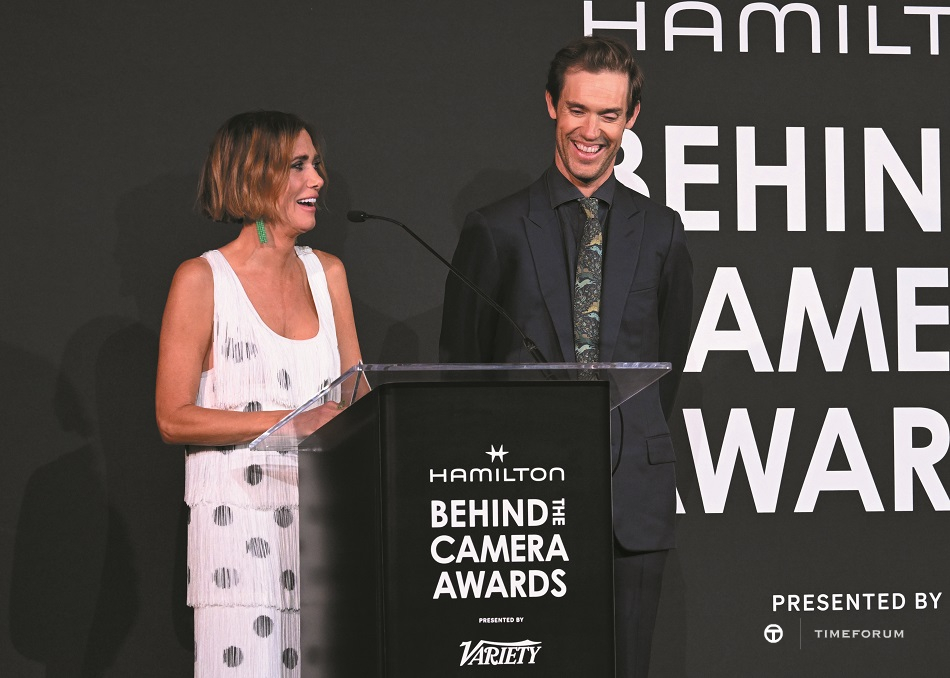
<point x="233" y="656"/>
<point x="257" y="547"/>
<point x="223" y="516"/>
<point x="226" y="577"/>
<point x="284" y="516"/>
<point x="243" y="546"/>
<point x="263" y="626"/>
<point x="253" y="474"/>
<point x="238" y="351"/>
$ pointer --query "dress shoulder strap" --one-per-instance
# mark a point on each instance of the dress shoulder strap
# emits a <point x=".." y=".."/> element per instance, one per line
<point x="320" y="290"/>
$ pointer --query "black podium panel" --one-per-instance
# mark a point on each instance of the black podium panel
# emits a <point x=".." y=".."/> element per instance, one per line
<point x="460" y="530"/>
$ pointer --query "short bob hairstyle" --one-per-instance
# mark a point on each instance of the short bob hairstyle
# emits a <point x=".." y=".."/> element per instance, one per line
<point x="596" y="55"/>
<point x="248" y="164"/>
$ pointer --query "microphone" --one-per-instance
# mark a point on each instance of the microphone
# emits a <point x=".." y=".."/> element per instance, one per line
<point x="359" y="216"/>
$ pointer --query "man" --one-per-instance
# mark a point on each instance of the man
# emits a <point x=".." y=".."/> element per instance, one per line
<point x="540" y="253"/>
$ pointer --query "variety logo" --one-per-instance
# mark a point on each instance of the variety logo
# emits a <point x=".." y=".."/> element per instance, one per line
<point x="492" y="653"/>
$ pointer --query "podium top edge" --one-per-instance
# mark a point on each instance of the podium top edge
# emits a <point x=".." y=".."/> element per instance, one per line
<point x="463" y="367"/>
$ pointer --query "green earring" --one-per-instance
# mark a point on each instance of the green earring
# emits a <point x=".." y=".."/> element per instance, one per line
<point x="261" y="233"/>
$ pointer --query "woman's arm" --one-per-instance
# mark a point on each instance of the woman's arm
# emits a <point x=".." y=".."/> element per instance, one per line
<point x="183" y="352"/>
<point x="347" y="340"/>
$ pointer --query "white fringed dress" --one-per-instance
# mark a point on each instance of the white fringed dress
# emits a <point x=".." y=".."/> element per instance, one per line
<point x="243" y="551"/>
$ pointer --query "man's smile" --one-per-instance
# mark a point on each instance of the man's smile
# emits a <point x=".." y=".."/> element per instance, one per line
<point x="586" y="148"/>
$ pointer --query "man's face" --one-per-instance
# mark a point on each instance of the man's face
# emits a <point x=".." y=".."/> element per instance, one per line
<point x="591" y="116"/>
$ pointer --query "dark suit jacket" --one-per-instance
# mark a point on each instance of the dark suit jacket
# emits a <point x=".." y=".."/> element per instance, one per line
<point x="514" y="251"/>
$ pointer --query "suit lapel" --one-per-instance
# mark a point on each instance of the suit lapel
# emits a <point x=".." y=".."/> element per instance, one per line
<point x="547" y="249"/>
<point x="622" y="250"/>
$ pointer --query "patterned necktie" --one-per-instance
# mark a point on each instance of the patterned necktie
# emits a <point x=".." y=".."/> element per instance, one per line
<point x="587" y="285"/>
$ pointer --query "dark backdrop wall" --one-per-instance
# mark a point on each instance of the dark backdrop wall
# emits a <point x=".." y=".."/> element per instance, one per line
<point x="808" y="163"/>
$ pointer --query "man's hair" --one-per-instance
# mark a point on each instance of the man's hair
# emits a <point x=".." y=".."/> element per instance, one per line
<point x="596" y="55"/>
<point x="248" y="164"/>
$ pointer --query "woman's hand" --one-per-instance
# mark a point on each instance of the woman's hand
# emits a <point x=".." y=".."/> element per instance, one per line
<point x="311" y="420"/>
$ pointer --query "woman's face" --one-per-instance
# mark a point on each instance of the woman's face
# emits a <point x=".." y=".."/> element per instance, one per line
<point x="298" y="204"/>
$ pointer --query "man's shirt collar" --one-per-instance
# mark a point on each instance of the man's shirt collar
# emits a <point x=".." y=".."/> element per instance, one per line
<point x="560" y="190"/>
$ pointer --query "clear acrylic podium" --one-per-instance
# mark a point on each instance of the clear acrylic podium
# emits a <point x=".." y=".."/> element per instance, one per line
<point x="455" y="520"/>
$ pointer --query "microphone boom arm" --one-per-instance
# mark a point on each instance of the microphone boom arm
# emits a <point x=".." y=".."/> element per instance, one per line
<point x="358" y="216"/>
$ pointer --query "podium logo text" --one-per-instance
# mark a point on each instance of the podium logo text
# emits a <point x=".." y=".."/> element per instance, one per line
<point x="492" y="653"/>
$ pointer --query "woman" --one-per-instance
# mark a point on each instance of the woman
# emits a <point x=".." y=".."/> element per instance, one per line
<point x="250" y="331"/>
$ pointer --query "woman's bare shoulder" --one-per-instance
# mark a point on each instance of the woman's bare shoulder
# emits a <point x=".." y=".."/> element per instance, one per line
<point x="332" y="266"/>
<point x="194" y="272"/>
<point x="193" y="283"/>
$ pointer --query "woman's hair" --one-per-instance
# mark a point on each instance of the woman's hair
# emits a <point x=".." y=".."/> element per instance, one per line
<point x="247" y="166"/>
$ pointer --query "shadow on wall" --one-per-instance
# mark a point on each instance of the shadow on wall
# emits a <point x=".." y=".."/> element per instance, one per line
<point x="412" y="340"/>
<point x="75" y="587"/>
<point x="486" y="187"/>
<point x="101" y="534"/>
<point x="98" y="575"/>
<point x="157" y="230"/>
<point x="57" y="546"/>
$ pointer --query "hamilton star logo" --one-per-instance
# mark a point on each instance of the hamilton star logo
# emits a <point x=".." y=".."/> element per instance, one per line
<point x="497" y="454"/>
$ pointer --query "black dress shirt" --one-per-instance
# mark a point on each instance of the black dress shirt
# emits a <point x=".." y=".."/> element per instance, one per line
<point x="564" y="196"/>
